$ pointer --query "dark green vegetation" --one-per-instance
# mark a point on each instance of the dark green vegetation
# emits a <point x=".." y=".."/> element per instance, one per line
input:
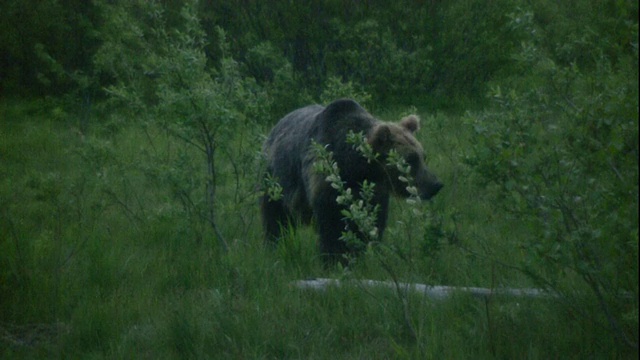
<point x="129" y="166"/>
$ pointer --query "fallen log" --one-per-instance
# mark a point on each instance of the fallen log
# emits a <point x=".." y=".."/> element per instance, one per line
<point x="436" y="292"/>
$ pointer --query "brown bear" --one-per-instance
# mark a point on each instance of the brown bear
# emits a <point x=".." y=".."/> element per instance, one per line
<point x="307" y="196"/>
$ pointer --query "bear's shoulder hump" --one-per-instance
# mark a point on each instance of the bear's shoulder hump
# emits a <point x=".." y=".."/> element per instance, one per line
<point x="343" y="107"/>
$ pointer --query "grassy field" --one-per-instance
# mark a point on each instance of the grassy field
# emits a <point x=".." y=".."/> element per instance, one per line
<point x="103" y="255"/>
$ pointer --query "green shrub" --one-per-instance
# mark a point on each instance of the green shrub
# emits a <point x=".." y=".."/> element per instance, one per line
<point x="168" y="82"/>
<point x="558" y="152"/>
<point x="367" y="53"/>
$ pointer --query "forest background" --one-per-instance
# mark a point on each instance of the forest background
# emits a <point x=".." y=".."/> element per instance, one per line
<point x="130" y="164"/>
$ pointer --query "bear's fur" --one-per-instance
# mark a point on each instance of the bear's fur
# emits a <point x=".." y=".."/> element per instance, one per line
<point x="306" y="195"/>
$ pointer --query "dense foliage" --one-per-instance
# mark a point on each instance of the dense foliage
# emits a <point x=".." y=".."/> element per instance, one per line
<point x="561" y="149"/>
<point x="437" y="52"/>
<point x="130" y="136"/>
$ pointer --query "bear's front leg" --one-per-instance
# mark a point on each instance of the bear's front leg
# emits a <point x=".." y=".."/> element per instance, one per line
<point x="330" y="225"/>
<point x="332" y="248"/>
<point x="274" y="219"/>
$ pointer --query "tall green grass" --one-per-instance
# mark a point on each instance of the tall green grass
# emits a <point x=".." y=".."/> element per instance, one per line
<point x="99" y="259"/>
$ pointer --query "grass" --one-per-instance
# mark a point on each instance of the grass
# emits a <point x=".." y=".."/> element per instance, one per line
<point x="98" y="259"/>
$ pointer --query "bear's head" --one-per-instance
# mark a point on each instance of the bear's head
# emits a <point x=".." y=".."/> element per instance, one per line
<point x="385" y="137"/>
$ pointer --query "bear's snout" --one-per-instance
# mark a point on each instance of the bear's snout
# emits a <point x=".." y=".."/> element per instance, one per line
<point x="431" y="190"/>
<point x="427" y="183"/>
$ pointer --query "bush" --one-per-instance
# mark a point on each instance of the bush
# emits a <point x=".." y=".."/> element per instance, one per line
<point x="367" y="53"/>
<point x="167" y="81"/>
<point x="559" y="153"/>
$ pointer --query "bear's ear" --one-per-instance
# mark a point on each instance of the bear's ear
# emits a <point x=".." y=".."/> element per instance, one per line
<point x="411" y="123"/>
<point x="380" y="138"/>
